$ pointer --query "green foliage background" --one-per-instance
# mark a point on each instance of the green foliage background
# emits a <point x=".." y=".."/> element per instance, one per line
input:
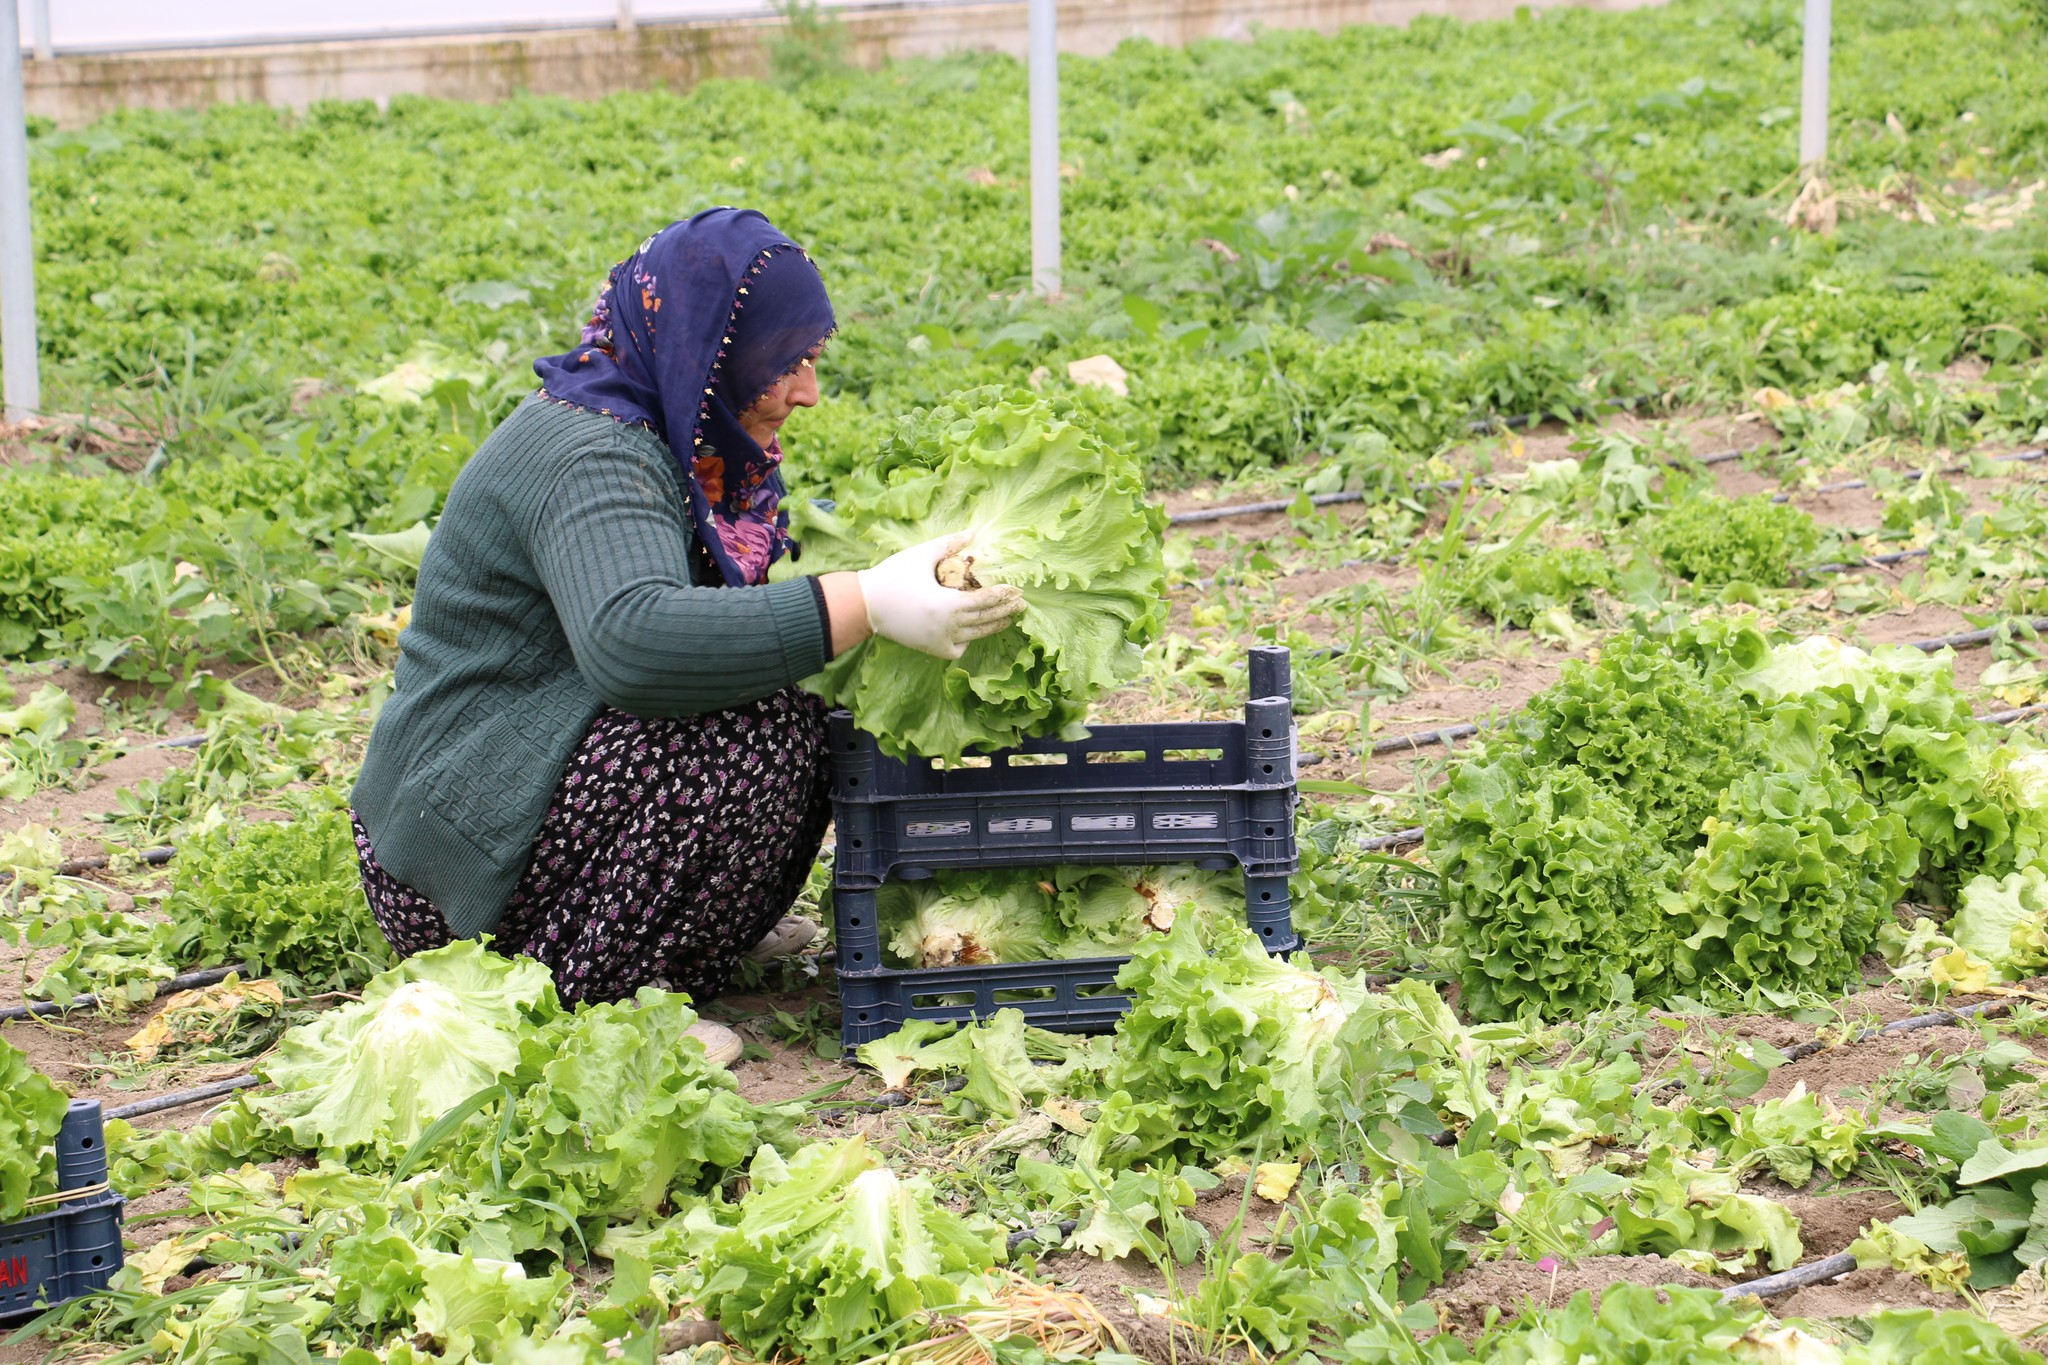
<point x="1614" y="226"/>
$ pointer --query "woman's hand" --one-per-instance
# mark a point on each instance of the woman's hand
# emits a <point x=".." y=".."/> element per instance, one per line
<point x="907" y="603"/>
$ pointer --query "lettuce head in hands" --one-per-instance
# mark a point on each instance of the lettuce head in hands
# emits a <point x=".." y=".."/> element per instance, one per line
<point x="1055" y="512"/>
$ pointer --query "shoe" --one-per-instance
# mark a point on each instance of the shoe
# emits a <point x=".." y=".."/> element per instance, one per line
<point x="721" y="1044"/>
<point x="790" y="936"/>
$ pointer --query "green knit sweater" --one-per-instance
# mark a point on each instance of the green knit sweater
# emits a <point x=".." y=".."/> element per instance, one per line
<point x="558" y="582"/>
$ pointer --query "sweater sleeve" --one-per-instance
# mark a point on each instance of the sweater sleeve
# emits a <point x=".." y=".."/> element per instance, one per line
<point x="613" y="552"/>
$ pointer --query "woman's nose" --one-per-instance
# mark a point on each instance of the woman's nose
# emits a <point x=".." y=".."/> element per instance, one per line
<point x="803" y="392"/>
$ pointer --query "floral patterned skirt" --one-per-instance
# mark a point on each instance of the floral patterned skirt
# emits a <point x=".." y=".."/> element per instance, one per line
<point x="671" y="848"/>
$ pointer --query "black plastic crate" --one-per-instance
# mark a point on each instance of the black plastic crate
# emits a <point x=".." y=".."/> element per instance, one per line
<point x="1208" y="793"/>
<point x="75" y="1246"/>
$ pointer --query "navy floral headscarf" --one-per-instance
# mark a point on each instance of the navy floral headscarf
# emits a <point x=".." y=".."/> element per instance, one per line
<point x="688" y="331"/>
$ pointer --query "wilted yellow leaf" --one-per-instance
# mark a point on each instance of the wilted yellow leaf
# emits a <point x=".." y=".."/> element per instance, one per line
<point x="200" y="1016"/>
<point x="384" y="626"/>
<point x="1274" y="1180"/>
<point x="155" y="1266"/>
<point x="1066" y="1114"/>
<point x="1958" y="969"/>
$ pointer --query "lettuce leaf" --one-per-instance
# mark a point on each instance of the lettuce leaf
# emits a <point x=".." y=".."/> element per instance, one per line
<point x="1223" y="1051"/>
<point x="1056" y="513"/>
<point x="2003" y="922"/>
<point x="614" y="1111"/>
<point x="966" y="917"/>
<point x="1796" y="876"/>
<point x="425" y="1036"/>
<point x="31" y="1111"/>
<point x="836" y="1258"/>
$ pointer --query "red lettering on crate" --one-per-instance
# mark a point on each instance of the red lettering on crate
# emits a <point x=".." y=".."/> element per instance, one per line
<point x="13" y="1272"/>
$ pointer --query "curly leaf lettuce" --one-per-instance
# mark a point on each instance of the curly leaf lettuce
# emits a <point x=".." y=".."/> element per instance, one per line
<point x="1796" y="876"/>
<point x="1223" y="1051"/>
<point x="966" y="919"/>
<point x="605" y="1112"/>
<point x="1056" y="513"/>
<point x="1553" y="886"/>
<point x="613" y="1111"/>
<point x="1900" y="725"/>
<point x="836" y="1258"/>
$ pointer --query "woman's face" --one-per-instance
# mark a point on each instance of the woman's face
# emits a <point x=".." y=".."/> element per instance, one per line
<point x="797" y="389"/>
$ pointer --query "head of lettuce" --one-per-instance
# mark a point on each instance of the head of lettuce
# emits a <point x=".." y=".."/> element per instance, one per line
<point x="1056" y="513"/>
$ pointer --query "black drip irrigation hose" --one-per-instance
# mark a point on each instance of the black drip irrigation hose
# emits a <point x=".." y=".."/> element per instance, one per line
<point x="178" y="1099"/>
<point x="1250" y="509"/>
<point x="1870" y="562"/>
<point x="1400" y="838"/>
<point x="1247" y="509"/>
<point x="1916" y="475"/>
<point x="154" y="857"/>
<point x="896" y="1099"/>
<point x="190" y="981"/>
<point x="1827" y="1268"/>
<point x="1447" y="736"/>
<point x="1814" y="1046"/>
<point x="1970" y="639"/>
<point x="1798" y="1277"/>
<point x="1052" y="1234"/>
<point x="72" y="867"/>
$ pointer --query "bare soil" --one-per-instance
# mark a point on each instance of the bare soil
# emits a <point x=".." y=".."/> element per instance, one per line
<point x="1468" y="1299"/>
<point x="1859" y="1294"/>
<point x="1829" y="1222"/>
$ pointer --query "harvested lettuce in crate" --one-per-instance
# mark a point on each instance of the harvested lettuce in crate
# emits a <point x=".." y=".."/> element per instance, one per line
<point x="981" y="916"/>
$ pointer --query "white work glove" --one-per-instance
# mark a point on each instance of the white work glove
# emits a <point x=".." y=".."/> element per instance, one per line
<point x="907" y="603"/>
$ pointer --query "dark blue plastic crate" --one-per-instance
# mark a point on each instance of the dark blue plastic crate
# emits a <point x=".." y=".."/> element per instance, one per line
<point x="1076" y="995"/>
<point x="1232" y="806"/>
<point x="74" y="1247"/>
<point x="1127" y="794"/>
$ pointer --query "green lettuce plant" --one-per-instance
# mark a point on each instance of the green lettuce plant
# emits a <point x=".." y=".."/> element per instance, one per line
<point x="31" y="1112"/>
<point x="836" y="1258"/>
<point x="1224" y="1049"/>
<point x="2003" y="922"/>
<point x="424" y="1037"/>
<point x="282" y="896"/>
<point x="1713" y="541"/>
<point x="1056" y="513"/>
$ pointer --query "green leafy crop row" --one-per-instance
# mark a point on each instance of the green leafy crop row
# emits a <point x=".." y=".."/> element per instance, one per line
<point x="1283" y="261"/>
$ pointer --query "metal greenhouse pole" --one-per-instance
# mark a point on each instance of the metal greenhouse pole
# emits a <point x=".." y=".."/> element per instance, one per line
<point x="18" y="375"/>
<point x="39" y="28"/>
<point x="1813" y="94"/>
<point x="1044" y="71"/>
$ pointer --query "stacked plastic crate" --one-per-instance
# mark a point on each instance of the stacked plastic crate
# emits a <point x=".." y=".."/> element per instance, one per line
<point x="1213" y="794"/>
<point x="73" y="1243"/>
